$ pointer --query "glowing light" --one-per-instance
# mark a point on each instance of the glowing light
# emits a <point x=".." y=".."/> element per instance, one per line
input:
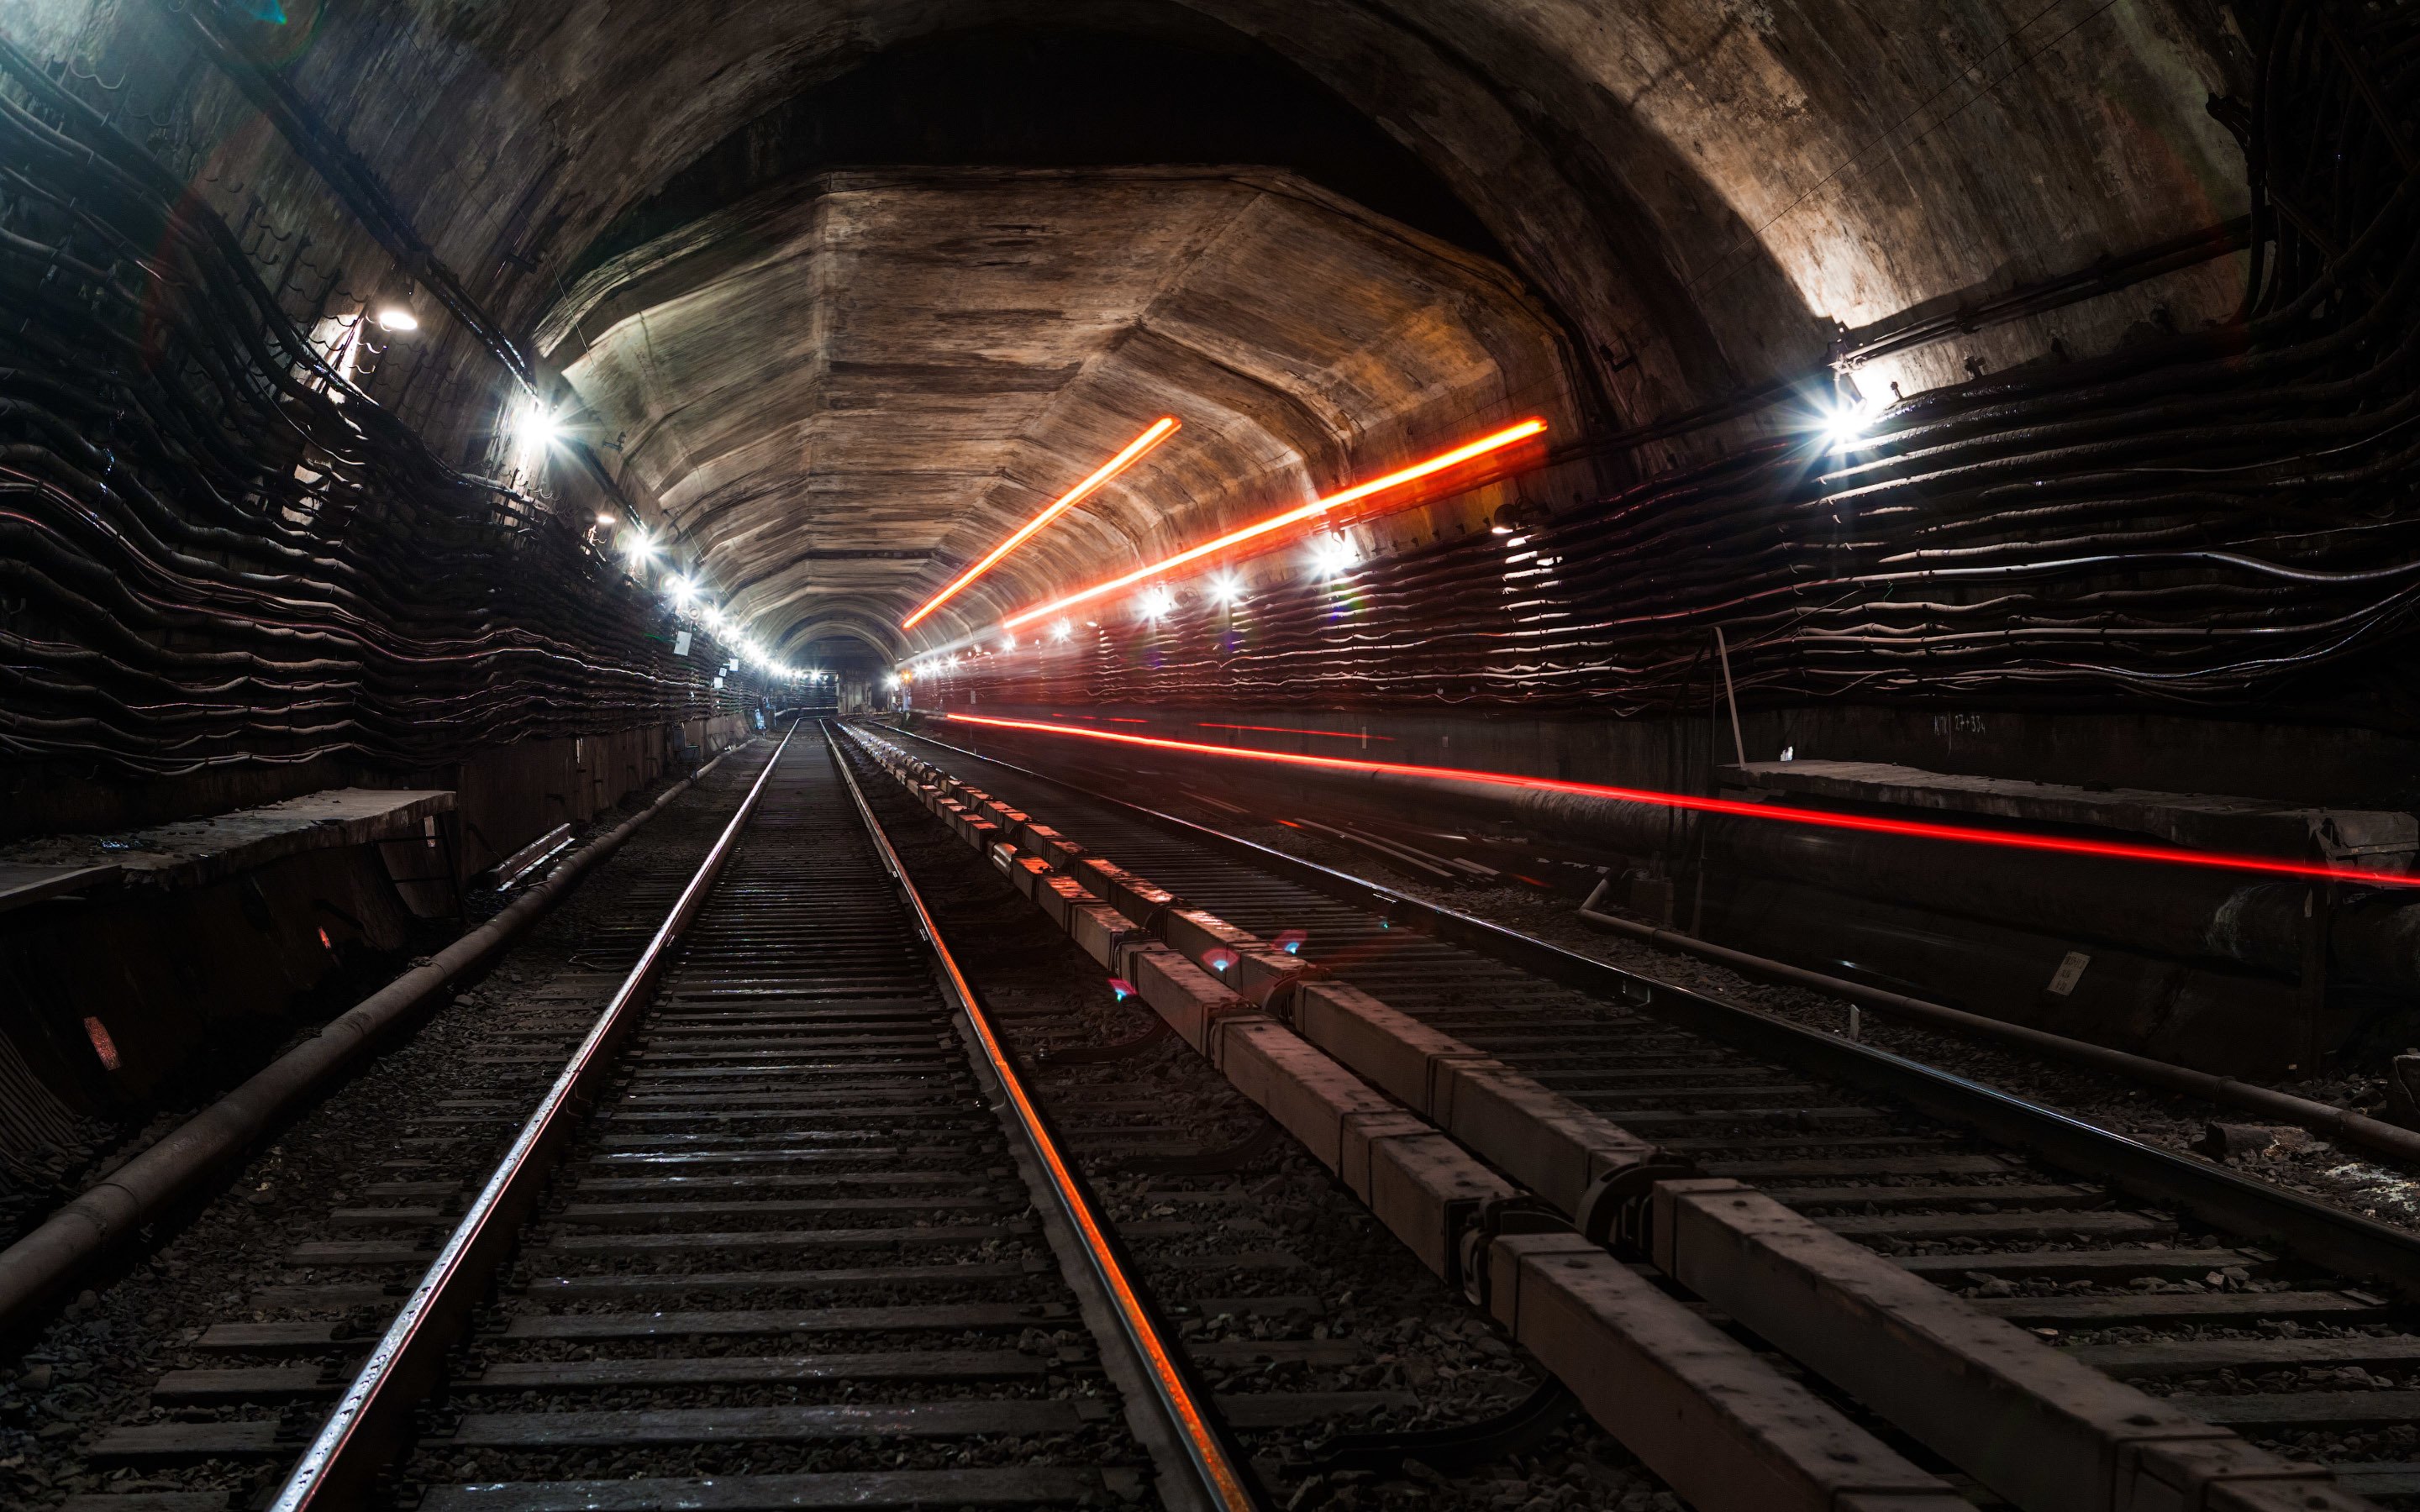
<point x="680" y="589"/>
<point x="1158" y="431"/>
<point x="1155" y="604"/>
<point x="1062" y="630"/>
<point x="395" y="317"/>
<point x="1317" y="507"/>
<point x="1741" y="808"/>
<point x="539" y="427"/>
<point x="1332" y="556"/>
<point x="603" y="518"/>
<point x="1844" y="425"/>
<point x="1121" y="988"/>
<point x="1219" y="958"/>
<point x="639" y="547"/>
<point x="1008" y="642"/>
<point x="1291" y="941"/>
<point x="1226" y="589"/>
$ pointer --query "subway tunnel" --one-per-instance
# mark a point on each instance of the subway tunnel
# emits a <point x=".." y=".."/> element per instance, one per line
<point x="1882" y="538"/>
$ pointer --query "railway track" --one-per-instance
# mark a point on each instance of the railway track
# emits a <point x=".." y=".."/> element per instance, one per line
<point x="2226" y="1302"/>
<point x="784" y="1230"/>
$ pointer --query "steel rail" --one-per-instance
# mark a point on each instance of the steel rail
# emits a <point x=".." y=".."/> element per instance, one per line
<point x="2229" y="1200"/>
<point x="373" y="1419"/>
<point x="1179" y="1396"/>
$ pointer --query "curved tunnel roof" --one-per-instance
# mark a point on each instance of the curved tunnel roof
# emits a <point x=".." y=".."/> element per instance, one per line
<point x="843" y="383"/>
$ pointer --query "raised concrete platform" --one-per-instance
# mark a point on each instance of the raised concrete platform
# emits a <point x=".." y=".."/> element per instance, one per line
<point x="192" y="852"/>
<point x="2198" y="821"/>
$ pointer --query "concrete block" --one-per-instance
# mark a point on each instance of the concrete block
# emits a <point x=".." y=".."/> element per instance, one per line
<point x="1424" y="1187"/>
<point x="1135" y="897"/>
<point x="1390" y="1048"/>
<point x="1312" y="1095"/>
<point x="1100" y="931"/>
<point x="1540" y="1137"/>
<point x="1058" y="897"/>
<point x="2046" y="1432"/>
<point x="1188" y="998"/>
<point x="1363" y="1133"/>
<point x="1028" y="874"/>
<point x="1718" y="1424"/>
<point x="1052" y="846"/>
<point x="2184" y="1477"/>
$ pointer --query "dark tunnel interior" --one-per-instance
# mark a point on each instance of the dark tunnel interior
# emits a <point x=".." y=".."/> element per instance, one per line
<point x="1447" y="548"/>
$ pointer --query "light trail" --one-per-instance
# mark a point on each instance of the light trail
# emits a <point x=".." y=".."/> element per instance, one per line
<point x="1739" y="809"/>
<point x="1292" y="516"/>
<point x="1158" y="431"/>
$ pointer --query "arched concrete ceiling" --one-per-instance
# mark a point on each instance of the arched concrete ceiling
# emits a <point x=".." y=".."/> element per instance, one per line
<point x="1703" y="185"/>
<point x="1700" y="191"/>
<point x="843" y="392"/>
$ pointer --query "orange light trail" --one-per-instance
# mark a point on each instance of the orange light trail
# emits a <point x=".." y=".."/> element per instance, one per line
<point x="1158" y="431"/>
<point x="1293" y="517"/>
<point x="1965" y="834"/>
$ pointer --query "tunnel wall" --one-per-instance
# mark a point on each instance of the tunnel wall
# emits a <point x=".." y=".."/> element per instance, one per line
<point x="2199" y="967"/>
<point x="193" y="986"/>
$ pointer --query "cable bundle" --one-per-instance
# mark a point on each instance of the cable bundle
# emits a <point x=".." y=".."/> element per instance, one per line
<point x="215" y="549"/>
<point x="2208" y="519"/>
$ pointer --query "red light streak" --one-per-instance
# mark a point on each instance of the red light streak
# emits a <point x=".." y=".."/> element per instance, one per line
<point x="1158" y="431"/>
<point x="1279" y="521"/>
<point x="1289" y="729"/>
<point x="1920" y="829"/>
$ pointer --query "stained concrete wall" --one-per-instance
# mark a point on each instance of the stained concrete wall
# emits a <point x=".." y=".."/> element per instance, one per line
<point x="1705" y="193"/>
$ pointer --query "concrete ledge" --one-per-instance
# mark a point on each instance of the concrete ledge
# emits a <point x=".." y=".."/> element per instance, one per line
<point x="2203" y="821"/>
<point x="194" y="852"/>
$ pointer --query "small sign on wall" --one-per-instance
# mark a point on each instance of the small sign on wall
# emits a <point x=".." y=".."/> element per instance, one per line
<point x="680" y="644"/>
<point x="2070" y="972"/>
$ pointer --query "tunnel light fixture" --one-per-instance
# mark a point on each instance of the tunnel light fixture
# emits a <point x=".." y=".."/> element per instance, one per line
<point x="1226" y="589"/>
<point x="1007" y="641"/>
<point x="396" y="319"/>
<point x="639" y="547"/>
<point x="1158" y="431"/>
<point x="1157" y="603"/>
<point x="1851" y="414"/>
<point x="1467" y="452"/>
<point x="1062" y="630"/>
<point x="1332" y="556"/>
<point x="1845" y="427"/>
<point x="539" y="427"/>
<point x="1741" y="808"/>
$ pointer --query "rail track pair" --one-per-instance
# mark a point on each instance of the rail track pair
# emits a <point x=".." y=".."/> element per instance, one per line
<point x="794" y="1092"/>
